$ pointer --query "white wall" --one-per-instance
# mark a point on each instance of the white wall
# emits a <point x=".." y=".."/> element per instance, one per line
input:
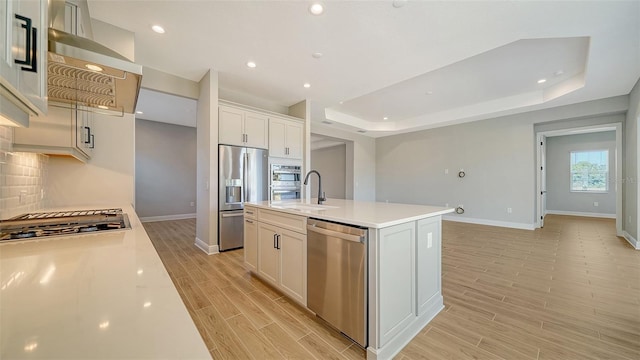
<point x="330" y="162"/>
<point x="20" y="172"/>
<point x="559" y="198"/>
<point x="105" y="180"/>
<point x="207" y="164"/>
<point x="498" y="156"/>
<point x="165" y="169"/>
<point x="631" y="160"/>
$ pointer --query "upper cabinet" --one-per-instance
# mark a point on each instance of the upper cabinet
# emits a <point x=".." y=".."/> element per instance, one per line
<point x="242" y="127"/>
<point x="23" y="50"/>
<point x="285" y="138"/>
<point x="64" y="131"/>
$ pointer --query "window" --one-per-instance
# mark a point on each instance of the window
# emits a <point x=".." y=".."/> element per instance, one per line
<point x="590" y="171"/>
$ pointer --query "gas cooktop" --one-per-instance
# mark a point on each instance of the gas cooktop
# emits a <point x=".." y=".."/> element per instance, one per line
<point x="47" y="224"/>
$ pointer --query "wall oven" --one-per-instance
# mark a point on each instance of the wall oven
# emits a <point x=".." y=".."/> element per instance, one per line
<point x="285" y="182"/>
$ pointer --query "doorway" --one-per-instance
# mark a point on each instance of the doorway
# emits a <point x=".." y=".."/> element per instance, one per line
<point x="542" y="163"/>
<point x="329" y="157"/>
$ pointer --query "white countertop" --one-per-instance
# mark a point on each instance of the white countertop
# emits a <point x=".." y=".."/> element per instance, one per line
<point x="101" y="295"/>
<point x="362" y="213"/>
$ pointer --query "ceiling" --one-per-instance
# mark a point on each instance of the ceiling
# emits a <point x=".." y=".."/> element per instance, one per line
<point x="419" y="64"/>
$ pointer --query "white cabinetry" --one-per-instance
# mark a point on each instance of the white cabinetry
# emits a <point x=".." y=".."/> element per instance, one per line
<point x="242" y="128"/>
<point x="23" y="49"/>
<point x="428" y="255"/>
<point x="404" y="282"/>
<point x="250" y="239"/>
<point x="64" y="131"/>
<point x="285" y="138"/>
<point x="281" y="252"/>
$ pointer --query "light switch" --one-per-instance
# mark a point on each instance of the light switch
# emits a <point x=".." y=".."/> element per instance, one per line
<point x="429" y="240"/>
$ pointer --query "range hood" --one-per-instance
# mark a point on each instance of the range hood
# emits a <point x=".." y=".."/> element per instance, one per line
<point x="83" y="72"/>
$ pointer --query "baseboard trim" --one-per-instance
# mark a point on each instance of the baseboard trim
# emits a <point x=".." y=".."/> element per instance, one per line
<point x="577" y="213"/>
<point x="506" y="224"/>
<point x="631" y="240"/>
<point x="168" y="217"/>
<point x="208" y="249"/>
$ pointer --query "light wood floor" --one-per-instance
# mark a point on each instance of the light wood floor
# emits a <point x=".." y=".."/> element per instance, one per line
<point x="568" y="291"/>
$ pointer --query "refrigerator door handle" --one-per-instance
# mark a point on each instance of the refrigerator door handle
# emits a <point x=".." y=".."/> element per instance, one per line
<point x="245" y="174"/>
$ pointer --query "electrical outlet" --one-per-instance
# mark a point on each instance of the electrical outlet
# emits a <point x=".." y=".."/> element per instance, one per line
<point x="41" y="194"/>
<point x="23" y="197"/>
<point x="595" y="203"/>
<point x="446" y="171"/>
<point x="429" y="240"/>
<point x="509" y="210"/>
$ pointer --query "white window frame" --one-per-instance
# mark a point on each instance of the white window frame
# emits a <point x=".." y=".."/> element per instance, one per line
<point x="571" y="189"/>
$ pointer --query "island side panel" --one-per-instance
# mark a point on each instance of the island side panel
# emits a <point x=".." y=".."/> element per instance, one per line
<point x="404" y="283"/>
<point x="429" y="268"/>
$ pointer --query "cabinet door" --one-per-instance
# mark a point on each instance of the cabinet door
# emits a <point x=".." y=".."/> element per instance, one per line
<point x="427" y="262"/>
<point x="8" y="70"/>
<point x="32" y="82"/>
<point x="255" y="130"/>
<point x="396" y="284"/>
<point x="268" y="255"/>
<point x="85" y="132"/>
<point x="277" y="137"/>
<point x="251" y="244"/>
<point x="230" y="126"/>
<point x="294" y="140"/>
<point x="293" y="265"/>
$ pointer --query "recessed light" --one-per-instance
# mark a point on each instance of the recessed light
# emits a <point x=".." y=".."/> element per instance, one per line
<point x="316" y="9"/>
<point x="317" y="55"/>
<point x="139" y="112"/>
<point x="251" y="64"/>
<point x="103" y="107"/>
<point x="93" y="67"/>
<point x="429" y="93"/>
<point x="307" y="85"/>
<point x="558" y="73"/>
<point x="341" y="102"/>
<point x="385" y="118"/>
<point x="157" y="28"/>
<point x="542" y="81"/>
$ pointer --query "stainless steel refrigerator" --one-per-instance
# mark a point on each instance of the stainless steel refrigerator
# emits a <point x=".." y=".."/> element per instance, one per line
<point x="243" y="176"/>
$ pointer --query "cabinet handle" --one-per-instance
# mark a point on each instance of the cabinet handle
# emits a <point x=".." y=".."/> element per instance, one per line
<point x="249" y="221"/>
<point x="278" y="241"/>
<point x="88" y="137"/>
<point x="246" y="137"/>
<point x="31" y="47"/>
<point x="274" y="241"/>
<point x="93" y="142"/>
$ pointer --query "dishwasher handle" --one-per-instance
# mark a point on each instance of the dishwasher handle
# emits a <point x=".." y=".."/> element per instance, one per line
<point x="337" y="234"/>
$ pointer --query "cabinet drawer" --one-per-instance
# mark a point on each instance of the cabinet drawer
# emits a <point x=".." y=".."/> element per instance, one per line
<point x="286" y="221"/>
<point x="250" y="212"/>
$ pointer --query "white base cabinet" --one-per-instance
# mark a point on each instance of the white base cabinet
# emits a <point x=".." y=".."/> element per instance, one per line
<point x="250" y="239"/>
<point x="276" y="250"/>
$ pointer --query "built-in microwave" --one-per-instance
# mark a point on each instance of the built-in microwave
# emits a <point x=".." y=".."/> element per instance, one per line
<point x="285" y="182"/>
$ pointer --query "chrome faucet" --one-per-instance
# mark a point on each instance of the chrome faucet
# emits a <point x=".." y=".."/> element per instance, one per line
<point x="321" y="196"/>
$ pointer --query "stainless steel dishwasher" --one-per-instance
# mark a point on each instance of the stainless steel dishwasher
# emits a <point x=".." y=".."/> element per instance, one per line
<point x="337" y="276"/>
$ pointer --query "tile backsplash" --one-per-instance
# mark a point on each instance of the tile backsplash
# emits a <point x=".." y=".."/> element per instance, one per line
<point x="22" y="178"/>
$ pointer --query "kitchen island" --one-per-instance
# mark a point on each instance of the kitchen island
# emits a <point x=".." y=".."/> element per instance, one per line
<point x="97" y="295"/>
<point x="402" y="262"/>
